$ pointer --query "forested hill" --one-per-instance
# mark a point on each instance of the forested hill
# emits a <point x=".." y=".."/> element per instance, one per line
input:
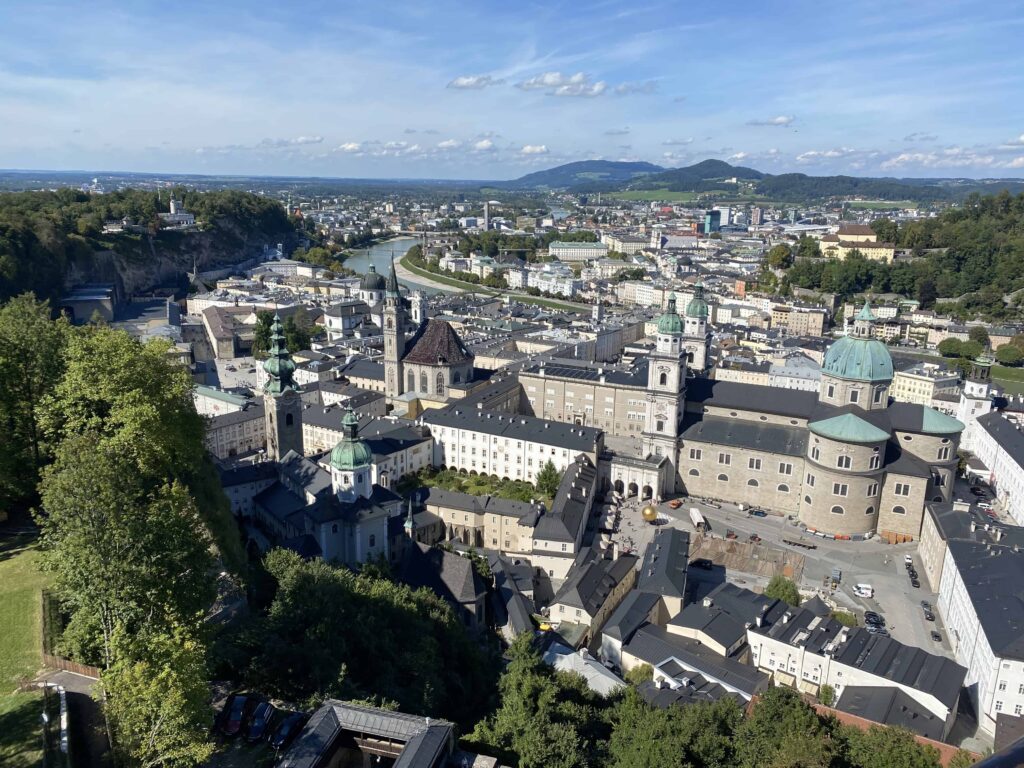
<point x="45" y="237"/>
<point x="586" y="173"/>
<point x="973" y="254"/>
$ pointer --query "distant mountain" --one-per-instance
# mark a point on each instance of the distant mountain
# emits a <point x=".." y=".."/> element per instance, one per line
<point x="586" y="174"/>
<point x="693" y="177"/>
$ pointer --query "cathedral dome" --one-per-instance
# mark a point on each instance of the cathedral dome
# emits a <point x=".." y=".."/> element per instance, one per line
<point x="859" y="357"/>
<point x="372" y="280"/>
<point x="697" y="307"/>
<point x="670" y="322"/>
<point x="351" y="452"/>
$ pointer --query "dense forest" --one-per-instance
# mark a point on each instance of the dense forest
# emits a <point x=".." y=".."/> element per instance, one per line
<point x="972" y="254"/>
<point x="43" y="233"/>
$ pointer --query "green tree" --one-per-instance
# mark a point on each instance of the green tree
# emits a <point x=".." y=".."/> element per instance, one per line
<point x="548" y="479"/>
<point x="971" y="349"/>
<point x="886" y="230"/>
<point x="951" y="347"/>
<point x="31" y="361"/>
<point x="783" y="731"/>
<point x="261" y="333"/>
<point x="1009" y="355"/>
<point x="845" y="618"/>
<point x="123" y="553"/>
<point x="157" y="702"/>
<point x="827" y="695"/>
<point x="644" y="736"/>
<point x="808" y="247"/>
<point x="641" y="673"/>
<point x="978" y="334"/>
<point x="882" y="747"/>
<point x="962" y="759"/>
<point x="781" y="588"/>
<point x="780" y="257"/>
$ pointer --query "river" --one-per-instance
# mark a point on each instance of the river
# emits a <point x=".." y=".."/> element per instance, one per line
<point x="380" y="256"/>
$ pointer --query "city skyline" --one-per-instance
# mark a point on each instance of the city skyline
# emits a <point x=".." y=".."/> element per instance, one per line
<point x="492" y="93"/>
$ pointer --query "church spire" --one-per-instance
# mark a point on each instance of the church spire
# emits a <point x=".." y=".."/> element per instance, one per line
<point x="392" y="287"/>
<point x="279" y="364"/>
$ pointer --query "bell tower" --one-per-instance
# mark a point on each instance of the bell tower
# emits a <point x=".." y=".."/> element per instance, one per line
<point x="281" y="401"/>
<point x="666" y="387"/>
<point x="394" y="334"/>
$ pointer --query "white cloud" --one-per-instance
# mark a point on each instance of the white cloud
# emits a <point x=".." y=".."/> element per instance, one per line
<point x="534" y="149"/>
<point x="780" y="120"/>
<point x="617" y="132"/>
<point x="735" y="158"/>
<point x="1017" y="162"/>
<point x="484" y="145"/>
<point x="558" y="84"/>
<point x="817" y="155"/>
<point x="677" y="142"/>
<point x="351" y="146"/>
<point x="921" y="136"/>
<point x="449" y="144"/>
<point x="625" y="89"/>
<point x="473" y="82"/>
<point x="296" y="142"/>
<point x="1014" y="143"/>
<point x="950" y="157"/>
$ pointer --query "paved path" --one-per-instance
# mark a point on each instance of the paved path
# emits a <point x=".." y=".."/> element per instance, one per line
<point x="414" y="279"/>
<point x="87" y="729"/>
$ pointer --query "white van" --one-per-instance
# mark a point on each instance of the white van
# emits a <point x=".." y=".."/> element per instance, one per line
<point x="863" y="590"/>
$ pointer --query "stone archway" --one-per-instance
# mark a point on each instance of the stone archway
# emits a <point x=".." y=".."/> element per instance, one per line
<point x="633" y="489"/>
<point x="647" y="492"/>
<point x="619" y="487"/>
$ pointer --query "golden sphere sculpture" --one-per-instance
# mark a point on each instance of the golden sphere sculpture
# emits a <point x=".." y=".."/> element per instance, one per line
<point x="650" y="513"/>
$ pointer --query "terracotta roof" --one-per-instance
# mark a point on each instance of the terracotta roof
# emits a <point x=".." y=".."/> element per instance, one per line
<point x="435" y="343"/>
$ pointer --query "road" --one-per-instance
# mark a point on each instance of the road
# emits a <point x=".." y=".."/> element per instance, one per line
<point x="414" y="280"/>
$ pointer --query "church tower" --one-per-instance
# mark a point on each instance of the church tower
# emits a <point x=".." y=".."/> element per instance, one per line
<point x="281" y="402"/>
<point x="351" y="473"/>
<point x="666" y="387"/>
<point x="394" y="335"/>
<point x="697" y="341"/>
<point x="975" y="400"/>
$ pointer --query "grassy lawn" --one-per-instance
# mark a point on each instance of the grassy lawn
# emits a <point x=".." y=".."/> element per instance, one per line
<point x="653" y="195"/>
<point x="882" y="205"/>
<point x="476" y="485"/>
<point x="20" y="641"/>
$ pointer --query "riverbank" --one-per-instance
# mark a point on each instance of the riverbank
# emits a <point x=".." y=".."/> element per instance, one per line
<point x="458" y="286"/>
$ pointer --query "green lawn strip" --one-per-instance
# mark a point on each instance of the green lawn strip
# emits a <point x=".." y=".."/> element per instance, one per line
<point x="21" y="584"/>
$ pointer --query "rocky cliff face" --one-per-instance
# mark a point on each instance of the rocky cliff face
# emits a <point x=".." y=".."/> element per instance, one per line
<point x="141" y="263"/>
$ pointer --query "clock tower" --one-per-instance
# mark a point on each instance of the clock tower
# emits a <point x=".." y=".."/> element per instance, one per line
<point x="666" y="388"/>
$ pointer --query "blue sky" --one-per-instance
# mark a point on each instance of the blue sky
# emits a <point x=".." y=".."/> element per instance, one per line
<point x="493" y="90"/>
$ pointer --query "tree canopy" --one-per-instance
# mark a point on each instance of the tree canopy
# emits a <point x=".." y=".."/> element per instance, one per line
<point x="783" y="589"/>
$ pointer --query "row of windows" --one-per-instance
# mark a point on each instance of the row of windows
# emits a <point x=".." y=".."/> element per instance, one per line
<point x="838" y="510"/>
<point x="782" y="487"/>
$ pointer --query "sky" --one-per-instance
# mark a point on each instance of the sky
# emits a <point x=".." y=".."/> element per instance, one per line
<point x="489" y="90"/>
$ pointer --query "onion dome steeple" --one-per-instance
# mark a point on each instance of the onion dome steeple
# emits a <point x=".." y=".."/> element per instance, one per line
<point x="351" y="452"/>
<point x="670" y="322"/>
<point x="698" y="306"/>
<point x="279" y="364"/>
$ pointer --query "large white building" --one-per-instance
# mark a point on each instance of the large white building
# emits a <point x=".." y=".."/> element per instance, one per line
<point x="999" y="444"/>
<point x="577" y="251"/>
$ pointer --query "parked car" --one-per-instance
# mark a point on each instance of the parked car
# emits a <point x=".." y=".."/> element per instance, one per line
<point x="259" y="724"/>
<point x="758" y="513"/>
<point x="289" y="728"/>
<point x="880" y="631"/>
<point x="873" y="618"/>
<point x="675" y="504"/>
<point x="926" y="605"/>
<point x="236" y="712"/>
<point x="977" y="490"/>
<point x="929" y="616"/>
<point x="755" y="538"/>
<point x="863" y="590"/>
<point x="915" y="583"/>
<point x="703" y="562"/>
<point x="908" y="559"/>
<point x="936" y="636"/>
<point x="984" y="506"/>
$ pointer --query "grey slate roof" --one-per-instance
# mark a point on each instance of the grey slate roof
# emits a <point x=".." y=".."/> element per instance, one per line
<point x="757" y="436"/>
<point x="632" y="613"/>
<point x="591" y="582"/>
<point x="890" y="706"/>
<point x="713" y="622"/>
<point x="528" y="428"/>
<point x="526" y="512"/>
<point x="700" y="690"/>
<point x="658" y="647"/>
<point x="364" y="369"/>
<point x="447" y="574"/>
<point x="993" y="575"/>
<point x="751" y="397"/>
<point x="305" y="472"/>
<point x="1005" y="433"/>
<point x="663" y="571"/>
<point x="571" y="504"/>
<point x="251" y="412"/>
<point x="746" y="606"/>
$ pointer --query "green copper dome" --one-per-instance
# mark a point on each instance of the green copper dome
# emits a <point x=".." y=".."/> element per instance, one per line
<point x="351" y="452"/>
<point x="670" y="322"/>
<point x="697" y="307"/>
<point x="859" y="357"/>
<point x="279" y="364"/>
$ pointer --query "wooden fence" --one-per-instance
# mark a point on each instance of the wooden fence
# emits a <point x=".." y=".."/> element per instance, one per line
<point x="59" y="662"/>
<point x="51" y="631"/>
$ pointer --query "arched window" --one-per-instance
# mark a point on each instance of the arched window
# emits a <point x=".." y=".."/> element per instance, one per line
<point x="412" y="382"/>
<point x="694" y="473"/>
<point x="844" y="462"/>
<point x="440" y="383"/>
<point x="783" y="488"/>
<point x="391" y="323"/>
<point x="424" y="385"/>
<point x="724" y="478"/>
<point x="373" y="540"/>
<point x="289" y="419"/>
<point x="663" y="379"/>
<point x="689" y="357"/>
<point x="752" y="483"/>
<point x="458" y="377"/>
<point x="869" y="511"/>
<point x="898" y="510"/>
<point x="659" y="426"/>
<point x="807" y="499"/>
<point x="837" y="510"/>
<point x="878" y="394"/>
